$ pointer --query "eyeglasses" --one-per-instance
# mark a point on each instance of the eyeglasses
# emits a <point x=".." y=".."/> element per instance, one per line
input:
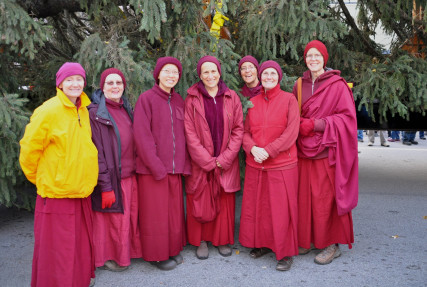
<point x="244" y="69"/>
<point x="111" y="83"/>
<point x="168" y="72"/>
<point x="314" y="56"/>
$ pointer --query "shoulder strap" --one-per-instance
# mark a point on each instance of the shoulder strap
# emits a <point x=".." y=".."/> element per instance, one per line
<point x="299" y="92"/>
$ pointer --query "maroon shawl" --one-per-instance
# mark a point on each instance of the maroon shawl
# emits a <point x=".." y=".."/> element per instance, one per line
<point x="334" y="103"/>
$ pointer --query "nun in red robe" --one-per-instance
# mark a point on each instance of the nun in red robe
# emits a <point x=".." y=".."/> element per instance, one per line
<point x="268" y="221"/>
<point x="327" y="158"/>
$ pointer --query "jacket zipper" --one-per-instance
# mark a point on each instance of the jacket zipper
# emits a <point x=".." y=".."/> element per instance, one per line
<point x="78" y="116"/>
<point x="173" y="135"/>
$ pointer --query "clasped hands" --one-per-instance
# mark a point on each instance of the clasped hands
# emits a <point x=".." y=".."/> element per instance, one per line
<point x="259" y="153"/>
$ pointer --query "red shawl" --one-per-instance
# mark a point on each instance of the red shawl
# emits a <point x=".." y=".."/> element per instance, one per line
<point x="333" y="102"/>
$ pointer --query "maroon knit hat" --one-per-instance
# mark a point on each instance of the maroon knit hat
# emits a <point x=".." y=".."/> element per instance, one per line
<point x="205" y="59"/>
<point x="108" y="72"/>
<point x="69" y="69"/>
<point x="249" y="58"/>
<point x="161" y="62"/>
<point x="319" y="46"/>
<point x="271" y="64"/>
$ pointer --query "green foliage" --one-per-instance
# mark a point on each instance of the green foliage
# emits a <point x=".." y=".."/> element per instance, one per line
<point x="13" y="119"/>
<point x="21" y="33"/>
<point x="396" y="86"/>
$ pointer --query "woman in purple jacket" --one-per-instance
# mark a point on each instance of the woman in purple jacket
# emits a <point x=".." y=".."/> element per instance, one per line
<point x="162" y="159"/>
<point x="115" y="198"/>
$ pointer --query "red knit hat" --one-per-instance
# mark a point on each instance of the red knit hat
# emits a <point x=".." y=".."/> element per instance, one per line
<point x="319" y="46"/>
<point x="271" y="64"/>
<point x="161" y="62"/>
<point x="69" y="69"/>
<point x="249" y="58"/>
<point x="205" y="59"/>
<point x="108" y="72"/>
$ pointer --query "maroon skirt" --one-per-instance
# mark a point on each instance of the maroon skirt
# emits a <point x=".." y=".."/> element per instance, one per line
<point x="220" y="231"/>
<point x="161" y="216"/>
<point x="269" y="215"/>
<point x="63" y="242"/>
<point x="319" y="222"/>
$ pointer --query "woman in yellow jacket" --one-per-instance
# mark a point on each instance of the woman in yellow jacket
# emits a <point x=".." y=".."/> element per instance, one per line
<point x="58" y="156"/>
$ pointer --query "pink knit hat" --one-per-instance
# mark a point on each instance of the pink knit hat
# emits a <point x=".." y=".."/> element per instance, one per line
<point x="69" y="69"/>
<point x="108" y="72"/>
<point x="205" y="59"/>
<point x="161" y="62"/>
<point x="271" y="64"/>
<point x="319" y="46"/>
<point x="249" y="58"/>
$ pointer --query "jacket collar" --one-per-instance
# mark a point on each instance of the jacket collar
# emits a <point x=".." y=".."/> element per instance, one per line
<point x="66" y="101"/>
<point x="163" y="94"/>
<point x="272" y="93"/>
<point x="193" y="91"/>
<point x="98" y="98"/>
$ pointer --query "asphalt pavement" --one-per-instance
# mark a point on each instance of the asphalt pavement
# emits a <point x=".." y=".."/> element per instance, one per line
<point x="390" y="249"/>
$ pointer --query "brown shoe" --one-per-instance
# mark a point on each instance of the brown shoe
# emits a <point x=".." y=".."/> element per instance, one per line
<point x="202" y="251"/>
<point x="258" y="252"/>
<point x="328" y="254"/>
<point x="224" y="250"/>
<point x="113" y="266"/>
<point x="178" y="258"/>
<point x="304" y="251"/>
<point x="165" y="265"/>
<point x="284" y="264"/>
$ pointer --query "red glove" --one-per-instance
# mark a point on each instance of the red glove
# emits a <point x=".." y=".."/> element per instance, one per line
<point x="306" y="127"/>
<point x="108" y="198"/>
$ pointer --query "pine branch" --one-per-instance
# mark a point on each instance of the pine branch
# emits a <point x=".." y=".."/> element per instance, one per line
<point x="367" y="42"/>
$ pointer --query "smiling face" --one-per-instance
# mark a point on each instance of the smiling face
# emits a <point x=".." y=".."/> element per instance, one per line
<point x="249" y="74"/>
<point x="314" y="61"/>
<point x="113" y="87"/>
<point x="209" y="75"/>
<point x="168" y="77"/>
<point x="72" y="87"/>
<point x="269" y="78"/>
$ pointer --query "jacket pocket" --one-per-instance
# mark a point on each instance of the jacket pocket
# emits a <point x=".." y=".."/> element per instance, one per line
<point x="179" y="113"/>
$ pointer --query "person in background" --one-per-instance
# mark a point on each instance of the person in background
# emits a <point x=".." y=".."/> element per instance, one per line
<point x="269" y="216"/>
<point x="394" y="136"/>
<point x="248" y="68"/>
<point x="327" y="158"/>
<point x="162" y="160"/>
<point x="371" y="137"/>
<point x="360" y="136"/>
<point x="59" y="157"/>
<point x="214" y="132"/>
<point x="115" y="198"/>
<point x="408" y="138"/>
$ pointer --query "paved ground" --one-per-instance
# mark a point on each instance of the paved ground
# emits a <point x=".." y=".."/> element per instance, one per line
<point x="390" y="226"/>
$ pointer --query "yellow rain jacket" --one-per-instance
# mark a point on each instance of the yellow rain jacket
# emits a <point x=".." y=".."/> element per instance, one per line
<point x="57" y="152"/>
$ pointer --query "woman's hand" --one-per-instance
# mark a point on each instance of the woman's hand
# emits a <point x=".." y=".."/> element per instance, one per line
<point x="259" y="154"/>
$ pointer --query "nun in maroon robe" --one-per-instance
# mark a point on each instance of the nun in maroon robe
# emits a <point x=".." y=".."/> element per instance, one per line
<point x="162" y="160"/>
<point x="214" y="132"/>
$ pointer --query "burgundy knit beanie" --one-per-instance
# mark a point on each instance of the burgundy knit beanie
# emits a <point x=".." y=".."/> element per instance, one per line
<point x="319" y="46"/>
<point x="271" y="64"/>
<point x="205" y="59"/>
<point x="161" y="62"/>
<point x="69" y="69"/>
<point x="249" y="58"/>
<point x="108" y="72"/>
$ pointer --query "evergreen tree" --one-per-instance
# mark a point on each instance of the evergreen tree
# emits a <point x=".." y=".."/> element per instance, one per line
<point x="37" y="37"/>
